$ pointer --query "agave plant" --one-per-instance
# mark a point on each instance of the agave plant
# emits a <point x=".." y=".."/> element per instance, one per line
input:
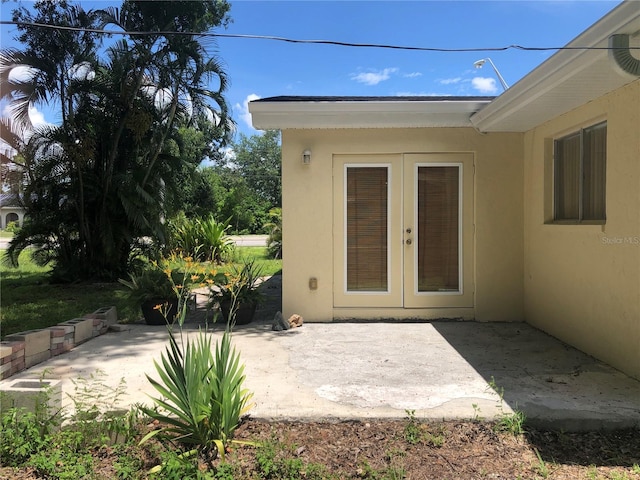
<point x="202" y="399"/>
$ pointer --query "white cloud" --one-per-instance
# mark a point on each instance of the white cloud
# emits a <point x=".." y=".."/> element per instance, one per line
<point x="373" y="78"/>
<point x="36" y="117"/>
<point x="449" y="81"/>
<point x="227" y="153"/>
<point x="412" y="75"/>
<point x="243" y="110"/>
<point x="484" y="85"/>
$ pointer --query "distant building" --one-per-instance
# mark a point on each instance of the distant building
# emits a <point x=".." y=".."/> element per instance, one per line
<point x="11" y="209"/>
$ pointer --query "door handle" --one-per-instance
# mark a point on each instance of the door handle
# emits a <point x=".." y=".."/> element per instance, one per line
<point x="408" y="241"/>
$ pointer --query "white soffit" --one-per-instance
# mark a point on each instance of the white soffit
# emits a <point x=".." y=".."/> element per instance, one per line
<point x="363" y="112"/>
<point x="568" y="79"/>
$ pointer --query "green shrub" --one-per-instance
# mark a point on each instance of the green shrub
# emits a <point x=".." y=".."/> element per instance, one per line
<point x="150" y="283"/>
<point x="66" y="460"/>
<point x="176" y="466"/>
<point x="12" y="227"/>
<point x="274" y="227"/>
<point x="201" y="239"/>
<point x="240" y="285"/>
<point x="21" y="437"/>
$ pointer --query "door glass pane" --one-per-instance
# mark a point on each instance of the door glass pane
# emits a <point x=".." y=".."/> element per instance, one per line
<point x="367" y="255"/>
<point x="438" y="226"/>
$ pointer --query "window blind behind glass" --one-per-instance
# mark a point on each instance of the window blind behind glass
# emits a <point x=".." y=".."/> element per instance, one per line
<point x="366" y="210"/>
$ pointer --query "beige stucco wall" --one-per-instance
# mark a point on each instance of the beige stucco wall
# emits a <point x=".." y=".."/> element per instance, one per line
<point x="308" y="226"/>
<point x="582" y="282"/>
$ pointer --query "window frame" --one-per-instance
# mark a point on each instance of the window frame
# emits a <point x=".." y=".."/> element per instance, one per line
<point x="582" y="198"/>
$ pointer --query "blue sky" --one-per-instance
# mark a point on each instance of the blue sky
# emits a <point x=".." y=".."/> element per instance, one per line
<point x="264" y="68"/>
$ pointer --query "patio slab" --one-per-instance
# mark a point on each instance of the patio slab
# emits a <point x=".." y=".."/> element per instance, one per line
<point x="334" y="371"/>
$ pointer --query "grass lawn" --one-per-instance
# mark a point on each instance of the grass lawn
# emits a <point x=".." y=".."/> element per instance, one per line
<point x="29" y="302"/>
<point x="5" y="234"/>
<point x="268" y="265"/>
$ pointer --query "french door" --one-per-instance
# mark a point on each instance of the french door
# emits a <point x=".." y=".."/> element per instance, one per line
<point x="404" y="230"/>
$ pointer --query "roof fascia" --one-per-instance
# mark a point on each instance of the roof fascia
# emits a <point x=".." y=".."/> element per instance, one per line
<point x="361" y="114"/>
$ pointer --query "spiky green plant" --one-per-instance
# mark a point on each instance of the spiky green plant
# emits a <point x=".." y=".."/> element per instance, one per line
<point x="202" y="398"/>
<point x="203" y="239"/>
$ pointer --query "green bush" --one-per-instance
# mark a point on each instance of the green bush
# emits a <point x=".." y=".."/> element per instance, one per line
<point x="176" y="466"/>
<point x="12" y="227"/>
<point x="202" y="239"/>
<point x="240" y="285"/>
<point x="21" y="437"/>
<point x="274" y="227"/>
<point x="67" y="461"/>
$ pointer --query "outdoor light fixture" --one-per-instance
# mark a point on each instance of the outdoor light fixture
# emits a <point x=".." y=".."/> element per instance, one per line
<point x="482" y="61"/>
<point x="306" y="157"/>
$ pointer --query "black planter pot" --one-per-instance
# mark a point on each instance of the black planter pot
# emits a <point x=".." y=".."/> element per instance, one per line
<point x="155" y="316"/>
<point x="244" y="312"/>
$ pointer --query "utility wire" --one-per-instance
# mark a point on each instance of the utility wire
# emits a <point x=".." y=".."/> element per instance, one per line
<point x="303" y="41"/>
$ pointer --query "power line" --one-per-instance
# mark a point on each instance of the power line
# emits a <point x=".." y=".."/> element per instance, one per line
<point x="308" y="42"/>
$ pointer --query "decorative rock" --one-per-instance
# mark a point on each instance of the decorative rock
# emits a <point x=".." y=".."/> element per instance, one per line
<point x="279" y="324"/>
<point x="295" y="320"/>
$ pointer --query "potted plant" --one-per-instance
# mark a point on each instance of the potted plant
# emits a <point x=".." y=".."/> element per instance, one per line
<point x="239" y="297"/>
<point x="153" y="289"/>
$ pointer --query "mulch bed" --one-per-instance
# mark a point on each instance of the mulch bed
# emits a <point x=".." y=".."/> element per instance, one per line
<point x="454" y="450"/>
<point x="447" y="450"/>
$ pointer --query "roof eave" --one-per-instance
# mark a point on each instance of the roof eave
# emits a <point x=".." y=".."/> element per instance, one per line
<point x="363" y="114"/>
<point x="561" y="67"/>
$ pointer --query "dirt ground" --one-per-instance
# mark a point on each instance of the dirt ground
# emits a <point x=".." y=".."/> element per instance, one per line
<point x="455" y="450"/>
<point x="449" y="450"/>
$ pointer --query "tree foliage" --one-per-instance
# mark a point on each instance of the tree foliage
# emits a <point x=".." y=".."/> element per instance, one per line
<point x="258" y="160"/>
<point x="241" y="187"/>
<point x="106" y="174"/>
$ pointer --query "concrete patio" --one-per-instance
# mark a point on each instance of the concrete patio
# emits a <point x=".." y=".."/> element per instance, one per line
<point x="442" y="370"/>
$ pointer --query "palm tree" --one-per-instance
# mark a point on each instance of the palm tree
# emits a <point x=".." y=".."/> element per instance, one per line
<point x="99" y="178"/>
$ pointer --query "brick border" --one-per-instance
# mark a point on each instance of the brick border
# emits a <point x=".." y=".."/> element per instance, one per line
<point x="22" y="350"/>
